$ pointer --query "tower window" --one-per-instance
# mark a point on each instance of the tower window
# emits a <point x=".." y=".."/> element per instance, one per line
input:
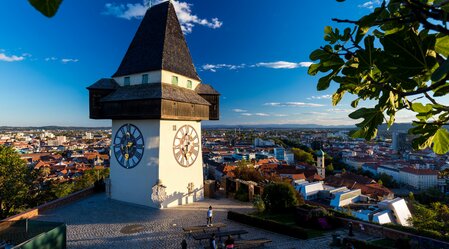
<point x="144" y="78"/>
<point x="189" y="84"/>
<point x="174" y="80"/>
<point x="127" y="81"/>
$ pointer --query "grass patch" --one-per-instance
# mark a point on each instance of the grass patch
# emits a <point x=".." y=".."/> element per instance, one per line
<point x="383" y="242"/>
<point x="288" y="219"/>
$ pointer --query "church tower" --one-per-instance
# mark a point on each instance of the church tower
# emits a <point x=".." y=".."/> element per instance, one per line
<point x="320" y="167"/>
<point x="156" y="102"/>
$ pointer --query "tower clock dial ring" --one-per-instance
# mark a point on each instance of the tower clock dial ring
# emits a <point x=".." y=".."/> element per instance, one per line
<point x="128" y="146"/>
<point x="186" y="146"/>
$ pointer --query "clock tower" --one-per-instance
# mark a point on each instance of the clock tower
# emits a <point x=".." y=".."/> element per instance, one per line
<point x="156" y="102"/>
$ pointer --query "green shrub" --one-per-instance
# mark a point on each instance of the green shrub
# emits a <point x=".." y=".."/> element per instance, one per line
<point x="279" y="197"/>
<point x="269" y="225"/>
<point x="259" y="204"/>
<point x="242" y="195"/>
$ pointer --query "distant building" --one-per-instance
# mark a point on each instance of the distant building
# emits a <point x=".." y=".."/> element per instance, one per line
<point x="309" y="190"/>
<point x="289" y="157"/>
<point x="258" y="142"/>
<point x="320" y="167"/>
<point x="399" y="142"/>
<point x="418" y="178"/>
<point x="345" y="198"/>
<point x="279" y="153"/>
<point x="400" y="210"/>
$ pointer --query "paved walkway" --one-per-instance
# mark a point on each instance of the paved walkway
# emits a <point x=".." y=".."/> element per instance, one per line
<point x="97" y="222"/>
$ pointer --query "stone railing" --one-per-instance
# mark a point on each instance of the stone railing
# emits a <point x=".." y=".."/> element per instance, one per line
<point x="52" y="205"/>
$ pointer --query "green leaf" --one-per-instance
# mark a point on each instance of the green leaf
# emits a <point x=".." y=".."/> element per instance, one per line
<point x="418" y="107"/>
<point x="313" y="69"/>
<point x="442" y="46"/>
<point x="46" y="7"/>
<point x="441" y="91"/>
<point x="441" y="141"/>
<point x="441" y="72"/>
<point x="318" y="54"/>
<point x="331" y="36"/>
<point x="355" y="103"/>
<point x="324" y="82"/>
<point x="336" y="97"/>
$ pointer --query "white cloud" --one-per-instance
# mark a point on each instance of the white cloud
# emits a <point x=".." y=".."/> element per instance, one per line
<point x="280" y="115"/>
<point x="326" y="96"/>
<point x="338" y="110"/>
<point x="260" y="114"/>
<point x="294" y="104"/>
<point x="187" y="19"/>
<point x="283" y="64"/>
<point x="275" y="65"/>
<point x="370" y="4"/>
<point x="239" y="110"/>
<point x="67" y="60"/>
<point x="50" y="59"/>
<point x="213" y="68"/>
<point x="11" y="58"/>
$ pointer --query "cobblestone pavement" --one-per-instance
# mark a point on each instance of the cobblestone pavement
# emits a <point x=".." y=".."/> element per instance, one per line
<point x="97" y="222"/>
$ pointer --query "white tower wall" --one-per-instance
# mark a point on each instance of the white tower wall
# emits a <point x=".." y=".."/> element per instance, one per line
<point x="134" y="185"/>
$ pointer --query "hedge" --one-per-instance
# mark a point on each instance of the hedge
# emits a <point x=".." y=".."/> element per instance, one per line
<point x="273" y="226"/>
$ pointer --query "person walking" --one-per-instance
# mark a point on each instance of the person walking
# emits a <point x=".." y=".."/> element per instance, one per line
<point x="210" y="214"/>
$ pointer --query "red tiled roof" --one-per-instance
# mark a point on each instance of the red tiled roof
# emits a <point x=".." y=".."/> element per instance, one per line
<point x="419" y="171"/>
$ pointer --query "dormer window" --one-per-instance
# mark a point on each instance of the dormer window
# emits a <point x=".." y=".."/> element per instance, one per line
<point x="144" y="78"/>
<point x="189" y="84"/>
<point x="174" y="80"/>
<point x="127" y="81"/>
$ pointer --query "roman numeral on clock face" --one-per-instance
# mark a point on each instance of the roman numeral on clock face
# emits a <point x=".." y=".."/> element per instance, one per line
<point x="186" y="146"/>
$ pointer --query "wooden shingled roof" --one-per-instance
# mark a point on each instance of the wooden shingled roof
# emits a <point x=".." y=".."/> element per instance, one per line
<point x="158" y="44"/>
<point x="155" y="91"/>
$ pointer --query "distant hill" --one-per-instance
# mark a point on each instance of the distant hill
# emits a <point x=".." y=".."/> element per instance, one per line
<point x="279" y="126"/>
<point x="49" y="128"/>
<point x="396" y="127"/>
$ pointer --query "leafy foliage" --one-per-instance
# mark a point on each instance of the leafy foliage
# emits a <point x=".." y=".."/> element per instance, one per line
<point x="22" y="187"/>
<point x="279" y="197"/>
<point x="247" y="172"/>
<point x="46" y="7"/>
<point x="396" y="55"/>
<point x="432" y="218"/>
<point x="15" y="182"/>
<point x="259" y="204"/>
<point x="303" y="156"/>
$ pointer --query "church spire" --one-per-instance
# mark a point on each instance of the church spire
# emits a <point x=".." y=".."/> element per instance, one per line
<point x="158" y="44"/>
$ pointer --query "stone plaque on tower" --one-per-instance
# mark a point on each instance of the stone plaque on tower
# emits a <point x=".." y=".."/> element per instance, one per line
<point x="156" y="102"/>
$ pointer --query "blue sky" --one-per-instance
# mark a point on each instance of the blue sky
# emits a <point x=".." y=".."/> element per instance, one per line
<point x="255" y="53"/>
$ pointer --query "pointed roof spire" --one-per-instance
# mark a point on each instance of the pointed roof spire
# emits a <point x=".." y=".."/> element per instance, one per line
<point x="158" y="44"/>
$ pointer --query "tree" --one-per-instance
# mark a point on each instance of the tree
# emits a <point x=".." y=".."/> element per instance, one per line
<point x="15" y="182"/>
<point x="330" y="168"/>
<point x="46" y="7"/>
<point x="279" y="197"/>
<point x="398" y="57"/>
<point x="386" y="180"/>
<point x="247" y="173"/>
<point x="303" y="156"/>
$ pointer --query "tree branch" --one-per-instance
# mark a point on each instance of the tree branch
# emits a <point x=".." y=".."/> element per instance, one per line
<point x="440" y="106"/>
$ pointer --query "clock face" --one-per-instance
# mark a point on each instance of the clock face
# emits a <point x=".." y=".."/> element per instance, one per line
<point x="128" y="146"/>
<point x="186" y="145"/>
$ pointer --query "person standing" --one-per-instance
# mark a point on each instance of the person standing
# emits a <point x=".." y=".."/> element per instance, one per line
<point x="212" y="242"/>
<point x="210" y="214"/>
